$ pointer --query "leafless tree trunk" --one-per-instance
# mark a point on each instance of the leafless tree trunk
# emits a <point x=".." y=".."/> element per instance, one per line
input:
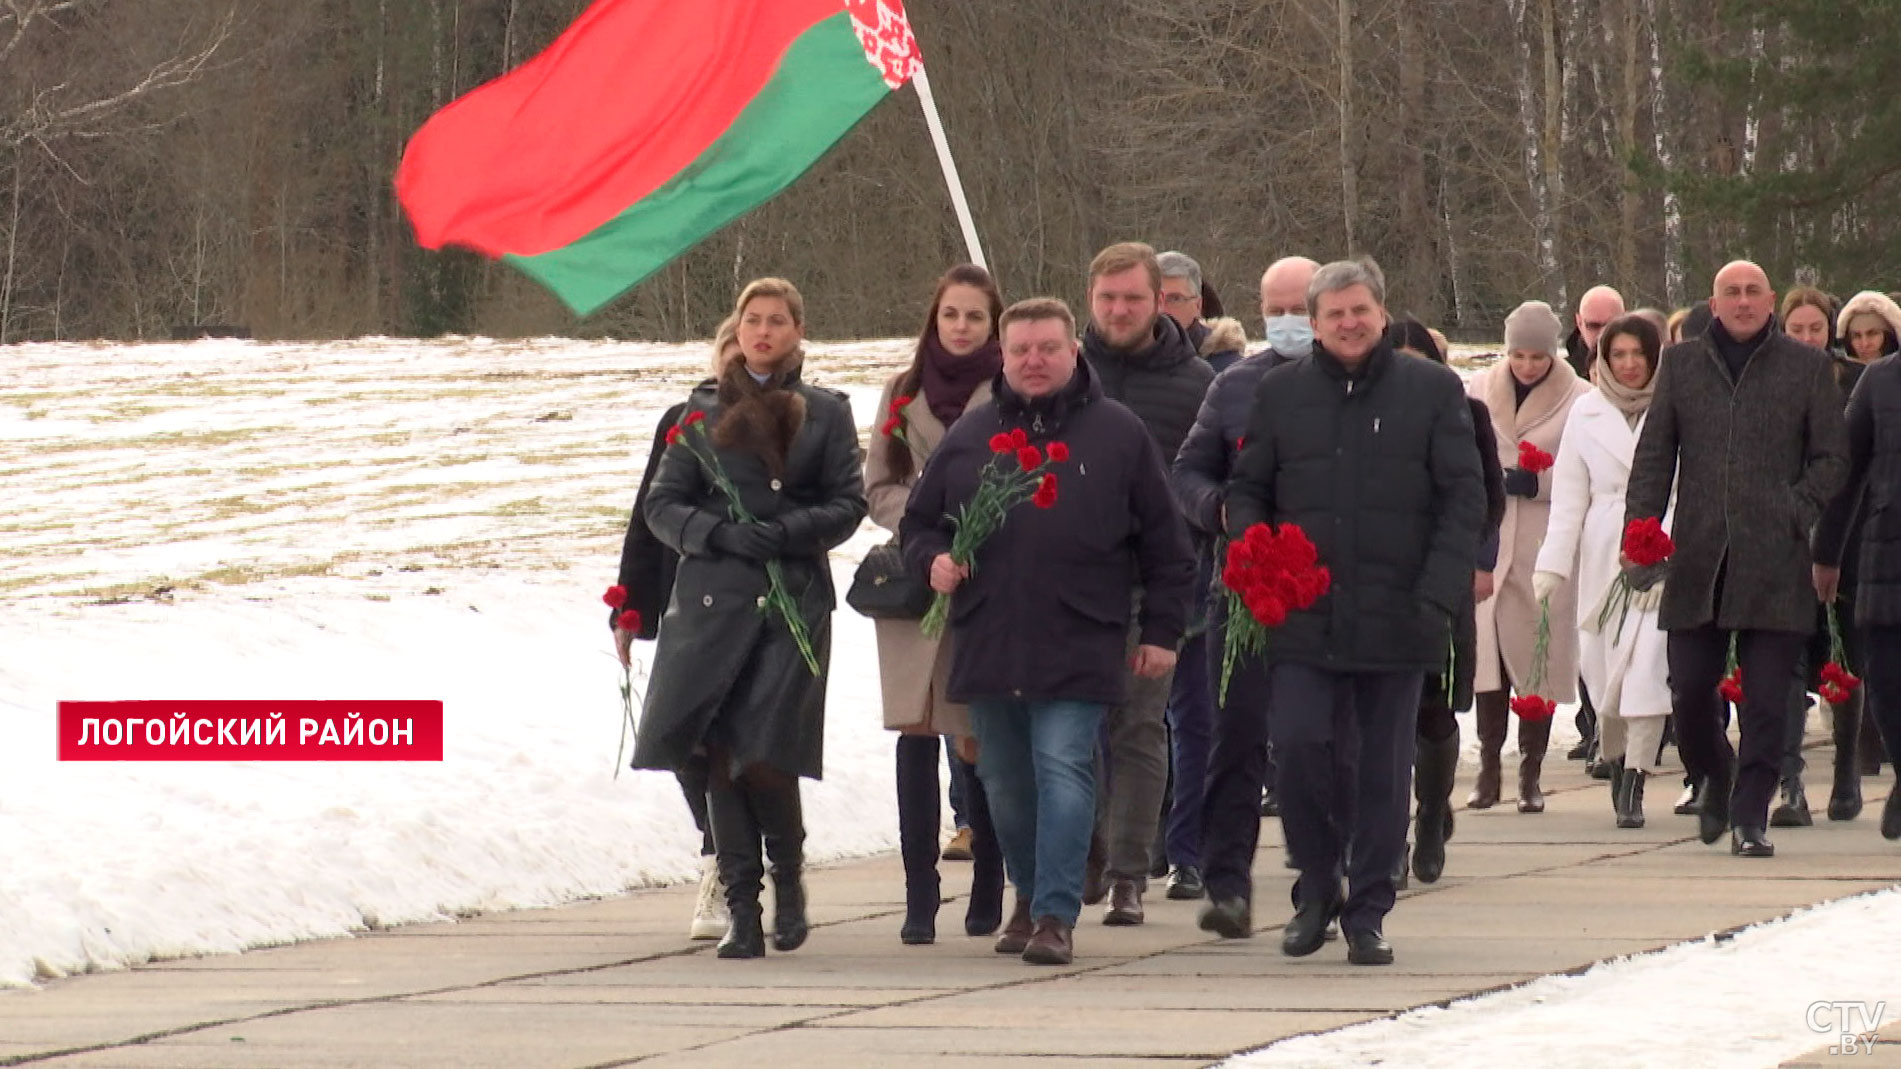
<point x="1349" y="170"/>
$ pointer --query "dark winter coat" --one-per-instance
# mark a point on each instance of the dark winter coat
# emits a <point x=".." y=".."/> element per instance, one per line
<point x="1874" y="478"/>
<point x="1162" y="384"/>
<point x="647" y="566"/>
<point x="1045" y="613"/>
<point x="1380" y="468"/>
<point x="1578" y="354"/>
<point x="1199" y="476"/>
<point x="1754" y="460"/>
<point x="1465" y="624"/>
<point x="727" y="674"/>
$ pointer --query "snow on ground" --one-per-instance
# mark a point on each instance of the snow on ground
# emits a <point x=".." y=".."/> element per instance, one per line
<point x="1712" y="1004"/>
<point x="377" y="519"/>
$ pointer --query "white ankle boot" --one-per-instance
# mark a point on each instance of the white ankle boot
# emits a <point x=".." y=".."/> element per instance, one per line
<point x="709" y="912"/>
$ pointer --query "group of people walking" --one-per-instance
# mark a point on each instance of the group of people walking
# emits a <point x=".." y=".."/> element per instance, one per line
<point x="1473" y="533"/>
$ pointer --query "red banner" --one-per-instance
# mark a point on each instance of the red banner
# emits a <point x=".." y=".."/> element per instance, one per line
<point x="250" y="731"/>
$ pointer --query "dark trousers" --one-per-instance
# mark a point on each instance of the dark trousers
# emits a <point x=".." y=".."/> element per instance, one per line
<point x="1697" y="663"/>
<point x="1191" y="714"/>
<point x="1344" y="741"/>
<point x="1882" y="702"/>
<point x="1237" y="766"/>
<point x="1795" y="724"/>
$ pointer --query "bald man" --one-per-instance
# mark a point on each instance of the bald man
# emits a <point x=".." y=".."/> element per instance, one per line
<point x="1596" y="309"/>
<point x="1746" y="423"/>
<point x="1237" y="758"/>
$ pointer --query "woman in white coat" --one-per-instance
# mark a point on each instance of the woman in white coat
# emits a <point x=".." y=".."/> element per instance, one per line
<point x="1529" y="394"/>
<point x="1621" y="654"/>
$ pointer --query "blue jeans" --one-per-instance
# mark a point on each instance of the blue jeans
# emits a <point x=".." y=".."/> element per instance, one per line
<point x="1037" y="763"/>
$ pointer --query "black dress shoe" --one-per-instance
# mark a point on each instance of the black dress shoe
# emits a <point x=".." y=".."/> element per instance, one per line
<point x="1308" y="930"/>
<point x="1689" y="801"/>
<point x="1270" y="805"/>
<point x="1891" y="815"/>
<point x="1184" y="883"/>
<point x="1229" y="918"/>
<point x="1750" y="842"/>
<point x="1368" y="947"/>
<point x="1794" y="810"/>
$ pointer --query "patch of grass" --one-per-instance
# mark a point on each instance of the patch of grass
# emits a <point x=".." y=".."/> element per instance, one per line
<point x="527" y="506"/>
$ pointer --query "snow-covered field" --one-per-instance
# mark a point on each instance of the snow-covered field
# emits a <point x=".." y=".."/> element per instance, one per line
<point x="377" y="519"/>
<point x="437" y="519"/>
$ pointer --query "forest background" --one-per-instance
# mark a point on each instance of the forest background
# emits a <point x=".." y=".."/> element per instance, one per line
<point x="177" y="162"/>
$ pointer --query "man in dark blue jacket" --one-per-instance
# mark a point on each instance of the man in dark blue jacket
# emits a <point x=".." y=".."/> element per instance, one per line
<point x="1237" y="758"/>
<point x="1371" y="454"/>
<point x="1041" y="616"/>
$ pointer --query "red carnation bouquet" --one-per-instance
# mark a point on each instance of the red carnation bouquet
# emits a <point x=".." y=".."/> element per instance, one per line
<point x="1533" y="459"/>
<point x="691" y="432"/>
<point x="627" y="620"/>
<point x="1646" y="545"/>
<point x="894" y="419"/>
<point x="1838" y="683"/>
<point x="1268" y="574"/>
<point x="1017" y="472"/>
<point x="1530" y="705"/>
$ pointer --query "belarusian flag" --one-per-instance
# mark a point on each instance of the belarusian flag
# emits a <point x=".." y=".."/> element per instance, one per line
<point x="644" y="128"/>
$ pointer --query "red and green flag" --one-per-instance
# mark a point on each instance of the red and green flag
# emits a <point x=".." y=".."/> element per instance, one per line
<point x="644" y="128"/>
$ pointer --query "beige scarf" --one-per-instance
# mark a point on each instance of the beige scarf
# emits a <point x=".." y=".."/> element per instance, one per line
<point x="1632" y="403"/>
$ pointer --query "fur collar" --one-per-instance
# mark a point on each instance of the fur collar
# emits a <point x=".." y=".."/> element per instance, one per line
<point x="1224" y="336"/>
<point x="761" y="418"/>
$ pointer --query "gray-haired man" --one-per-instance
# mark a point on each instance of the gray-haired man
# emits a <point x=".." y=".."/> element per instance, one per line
<point x="1373" y="456"/>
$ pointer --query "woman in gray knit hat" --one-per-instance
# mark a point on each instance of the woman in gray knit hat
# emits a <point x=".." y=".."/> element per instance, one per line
<point x="1529" y="394"/>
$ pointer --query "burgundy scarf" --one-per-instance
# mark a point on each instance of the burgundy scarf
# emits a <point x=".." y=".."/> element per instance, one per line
<point x="948" y="381"/>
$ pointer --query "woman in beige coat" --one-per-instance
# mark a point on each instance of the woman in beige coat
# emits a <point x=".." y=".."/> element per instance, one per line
<point x="1530" y="395"/>
<point x="957" y="356"/>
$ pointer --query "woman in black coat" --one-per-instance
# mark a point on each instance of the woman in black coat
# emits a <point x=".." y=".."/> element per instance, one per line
<point x="729" y="679"/>
<point x="1436" y="753"/>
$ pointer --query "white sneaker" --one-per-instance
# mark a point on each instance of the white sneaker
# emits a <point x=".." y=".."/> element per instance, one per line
<point x="709" y="913"/>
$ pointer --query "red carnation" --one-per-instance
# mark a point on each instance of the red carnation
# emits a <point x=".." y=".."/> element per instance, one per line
<point x="1029" y="458"/>
<point x="673" y="434"/>
<point x="1045" y="496"/>
<point x="1731" y="688"/>
<point x="891" y="426"/>
<point x="1018" y="439"/>
<point x="1645" y="542"/>
<point x="629" y="620"/>
<point x="1533" y="459"/>
<point x="1266" y="608"/>
<point x="615" y="597"/>
<point x="898" y="403"/>
<point x="1532" y="707"/>
<point x="1833" y="673"/>
<point x="1058" y="452"/>
<point x="1002" y="443"/>
<point x="1240" y="443"/>
<point x="694" y="417"/>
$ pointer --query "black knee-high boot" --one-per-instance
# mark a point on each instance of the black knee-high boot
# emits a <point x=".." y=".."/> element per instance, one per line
<point x="776" y="805"/>
<point x="1844" y="799"/>
<point x="919" y="814"/>
<point x="985" y="914"/>
<point x="741" y="869"/>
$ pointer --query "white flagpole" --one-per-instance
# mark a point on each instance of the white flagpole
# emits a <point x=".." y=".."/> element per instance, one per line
<point x="931" y="119"/>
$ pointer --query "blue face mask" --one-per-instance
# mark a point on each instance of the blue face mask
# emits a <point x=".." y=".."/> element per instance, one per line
<point x="1291" y="335"/>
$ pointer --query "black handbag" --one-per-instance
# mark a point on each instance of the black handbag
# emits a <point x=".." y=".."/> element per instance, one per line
<point x="883" y="590"/>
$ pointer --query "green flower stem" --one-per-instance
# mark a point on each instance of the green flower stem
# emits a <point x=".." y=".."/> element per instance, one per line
<point x="778" y="599"/>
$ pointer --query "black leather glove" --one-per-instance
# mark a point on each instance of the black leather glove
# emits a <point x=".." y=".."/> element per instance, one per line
<point x="1521" y="483"/>
<point x="749" y="541"/>
<point x="1642" y="578"/>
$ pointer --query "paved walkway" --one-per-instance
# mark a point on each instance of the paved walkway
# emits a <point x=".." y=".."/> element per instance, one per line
<point x="614" y="982"/>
